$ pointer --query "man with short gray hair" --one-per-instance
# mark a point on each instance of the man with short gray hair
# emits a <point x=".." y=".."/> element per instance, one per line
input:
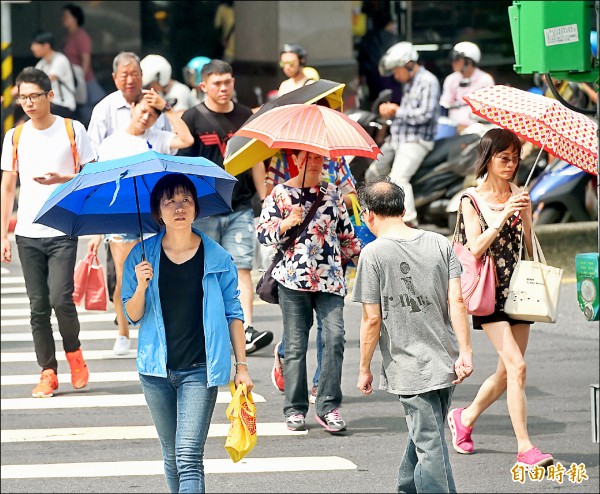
<point x="408" y="282"/>
<point x="114" y="111"/>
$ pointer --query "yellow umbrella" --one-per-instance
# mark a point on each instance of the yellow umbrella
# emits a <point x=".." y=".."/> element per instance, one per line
<point x="243" y="153"/>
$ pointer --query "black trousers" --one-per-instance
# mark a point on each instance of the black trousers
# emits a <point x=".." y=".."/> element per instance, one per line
<point x="48" y="265"/>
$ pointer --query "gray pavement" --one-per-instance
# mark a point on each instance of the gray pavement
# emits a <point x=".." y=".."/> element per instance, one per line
<point x="563" y="360"/>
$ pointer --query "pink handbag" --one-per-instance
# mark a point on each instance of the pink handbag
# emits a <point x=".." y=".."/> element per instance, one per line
<point x="478" y="281"/>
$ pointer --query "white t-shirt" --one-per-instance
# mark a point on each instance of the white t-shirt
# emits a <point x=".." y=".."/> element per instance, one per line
<point x="40" y="152"/>
<point x="114" y="113"/>
<point x="121" y="144"/>
<point x="59" y="66"/>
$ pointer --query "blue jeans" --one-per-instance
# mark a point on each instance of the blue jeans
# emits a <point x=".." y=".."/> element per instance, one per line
<point x="425" y="465"/>
<point x="281" y="350"/>
<point x="297" y="311"/>
<point x="234" y="232"/>
<point x="181" y="406"/>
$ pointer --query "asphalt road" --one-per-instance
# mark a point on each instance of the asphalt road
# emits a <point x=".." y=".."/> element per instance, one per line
<point x="562" y="363"/>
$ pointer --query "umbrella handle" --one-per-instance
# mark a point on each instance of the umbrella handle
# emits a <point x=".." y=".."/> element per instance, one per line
<point x="139" y="215"/>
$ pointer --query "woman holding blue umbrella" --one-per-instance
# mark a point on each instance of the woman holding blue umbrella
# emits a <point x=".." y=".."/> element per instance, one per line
<point x="186" y="300"/>
<point x="138" y="137"/>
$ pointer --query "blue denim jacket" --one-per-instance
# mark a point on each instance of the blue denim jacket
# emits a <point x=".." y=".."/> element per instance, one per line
<point x="221" y="305"/>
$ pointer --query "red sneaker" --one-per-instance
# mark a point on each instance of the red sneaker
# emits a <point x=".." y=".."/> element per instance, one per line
<point x="534" y="458"/>
<point x="461" y="435"/>
<point x="277" y="372"/>
<point x="79" y="370"/>
<point x="48" y="384"/>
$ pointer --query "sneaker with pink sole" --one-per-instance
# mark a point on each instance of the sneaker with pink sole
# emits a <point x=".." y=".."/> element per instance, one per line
<point x="461" y="434"/>
<point x="534" y="458"/>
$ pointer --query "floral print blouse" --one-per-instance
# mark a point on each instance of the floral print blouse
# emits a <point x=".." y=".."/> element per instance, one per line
<point x="314" y="261"/>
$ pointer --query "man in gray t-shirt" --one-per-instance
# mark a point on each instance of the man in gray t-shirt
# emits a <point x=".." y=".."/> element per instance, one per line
<point x="408" y="281"/>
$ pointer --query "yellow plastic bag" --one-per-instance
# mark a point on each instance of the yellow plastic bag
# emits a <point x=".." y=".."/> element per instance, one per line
<point x="241" y="438"/>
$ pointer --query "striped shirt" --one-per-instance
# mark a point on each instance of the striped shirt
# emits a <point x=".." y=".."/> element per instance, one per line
<point x="416" y="118"/>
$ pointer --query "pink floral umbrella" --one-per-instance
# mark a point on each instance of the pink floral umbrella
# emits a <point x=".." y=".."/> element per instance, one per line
<point x="543" y="121"/>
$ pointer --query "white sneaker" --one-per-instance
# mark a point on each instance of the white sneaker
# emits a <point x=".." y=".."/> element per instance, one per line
<point x="122" y="345"/>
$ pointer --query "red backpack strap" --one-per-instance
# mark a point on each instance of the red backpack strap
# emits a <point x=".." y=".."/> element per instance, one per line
<point x="71" y="133"/>
<point x="15" y="143"/>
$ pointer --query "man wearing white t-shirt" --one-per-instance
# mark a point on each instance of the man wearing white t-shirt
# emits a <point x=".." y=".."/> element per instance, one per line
<point x="139" y="136"/>
<point x="44" y="160"/>
<point x="58" y="68"/>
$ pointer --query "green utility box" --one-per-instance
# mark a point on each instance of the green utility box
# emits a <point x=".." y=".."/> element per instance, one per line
<point x="588" y="279"/>
<point x="551" y="36"/>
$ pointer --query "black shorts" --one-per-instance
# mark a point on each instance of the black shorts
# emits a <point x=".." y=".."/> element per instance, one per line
<point x="496" y="317"/>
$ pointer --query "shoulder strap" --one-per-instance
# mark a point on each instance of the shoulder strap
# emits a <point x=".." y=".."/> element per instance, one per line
<point x="480" y="205"/>
<point x="218" y="128"/>
<point x="15" y="142"/>
<point x="71" y="133"/>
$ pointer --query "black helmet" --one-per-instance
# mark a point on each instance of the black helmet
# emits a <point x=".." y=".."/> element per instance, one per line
<point x="295" y="48"/>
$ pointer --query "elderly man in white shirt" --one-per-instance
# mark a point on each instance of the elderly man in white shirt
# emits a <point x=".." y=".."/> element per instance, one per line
<point x="114" y="111"/>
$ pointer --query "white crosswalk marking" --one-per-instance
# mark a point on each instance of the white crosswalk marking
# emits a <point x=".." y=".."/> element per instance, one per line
<point x="128" y="432"/>
<point x="89" y="401"/>
<point x="129" y="468"/>
<point x="15" y="317"/>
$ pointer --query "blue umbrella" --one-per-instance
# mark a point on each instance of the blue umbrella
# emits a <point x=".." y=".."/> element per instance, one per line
<point x="114" y="196"/>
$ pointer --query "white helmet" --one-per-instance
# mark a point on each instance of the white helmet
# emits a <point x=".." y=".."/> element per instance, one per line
<point x="155" y="68"/>
<point x="397" y="55"/>
<point x="467" y="49"/>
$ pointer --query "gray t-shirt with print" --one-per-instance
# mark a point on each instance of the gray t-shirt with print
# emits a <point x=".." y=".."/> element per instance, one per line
<point x="409" y="279"/>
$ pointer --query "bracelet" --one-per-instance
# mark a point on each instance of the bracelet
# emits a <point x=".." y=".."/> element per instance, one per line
<point x="240" y="363"/>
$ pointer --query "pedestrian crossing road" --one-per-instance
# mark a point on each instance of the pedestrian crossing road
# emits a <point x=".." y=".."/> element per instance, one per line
<point x="105" y="430"/>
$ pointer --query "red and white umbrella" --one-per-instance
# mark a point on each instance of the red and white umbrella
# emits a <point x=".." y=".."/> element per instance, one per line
<point x="312" y="128"/>
<point x="543" y="121"/>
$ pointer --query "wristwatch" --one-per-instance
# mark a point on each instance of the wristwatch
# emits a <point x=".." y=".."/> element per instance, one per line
<point x="498" y="224"/>
<point x="167" y="107"/>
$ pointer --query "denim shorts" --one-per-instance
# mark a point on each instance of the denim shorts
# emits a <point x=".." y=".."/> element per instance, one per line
<point x="121" y="238"/>
<point x="234" y="232"/>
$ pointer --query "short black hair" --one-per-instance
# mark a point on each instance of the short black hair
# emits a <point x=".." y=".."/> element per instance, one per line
<point x="383" y="197"/>
<point x="31" y="75"/>
<point x="215" y="66"/>
<point x="44" y="38"/>
<point x="139" y="98"/>
<point x="168" y="186"/>
<point x="77" y="12"/>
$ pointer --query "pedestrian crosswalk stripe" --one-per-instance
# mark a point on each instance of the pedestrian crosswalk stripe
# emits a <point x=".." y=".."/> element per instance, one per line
<point x="144" y="468"/>
<point x="128" y="432"/>
<point x="60" y="356"/>
<point x="15" y="301"/>
<point x="11" y="280"/>
<point x="95" y="377"/>
<point x="83" y="318"/>
<point x="100" y="334"/>
<point x="13" y="289"/>
<point x="94" y="401"/>
<point x="4" y="270"/>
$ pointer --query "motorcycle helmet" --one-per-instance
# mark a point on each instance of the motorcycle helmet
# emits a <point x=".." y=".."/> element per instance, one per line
<point x="191" y="72"/>
<point x="397" y="55"/>
<point x="466" y="49"/>
<point x="297" y="49"/>
<point x="155" y="69"/>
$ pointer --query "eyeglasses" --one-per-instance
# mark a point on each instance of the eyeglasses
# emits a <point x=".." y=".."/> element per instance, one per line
<point x="283" y="63"/>
<point x="362" y="215"/>
<point x="506" y="160"/>
<point x="33" y="97"/>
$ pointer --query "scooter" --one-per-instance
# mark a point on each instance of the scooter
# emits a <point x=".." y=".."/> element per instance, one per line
<point x="563" y="193"/>
<point x="440" y="176"/>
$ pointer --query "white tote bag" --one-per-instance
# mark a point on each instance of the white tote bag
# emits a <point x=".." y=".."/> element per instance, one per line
<point x="534" y="287"/>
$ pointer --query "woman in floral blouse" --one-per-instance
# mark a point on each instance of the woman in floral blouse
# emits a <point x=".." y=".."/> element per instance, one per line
<point x="310" y="277"/>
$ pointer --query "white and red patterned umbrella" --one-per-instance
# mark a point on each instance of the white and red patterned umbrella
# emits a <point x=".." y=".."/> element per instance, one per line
<point x="543" y="121"/>
<point x="313" y="128"/>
